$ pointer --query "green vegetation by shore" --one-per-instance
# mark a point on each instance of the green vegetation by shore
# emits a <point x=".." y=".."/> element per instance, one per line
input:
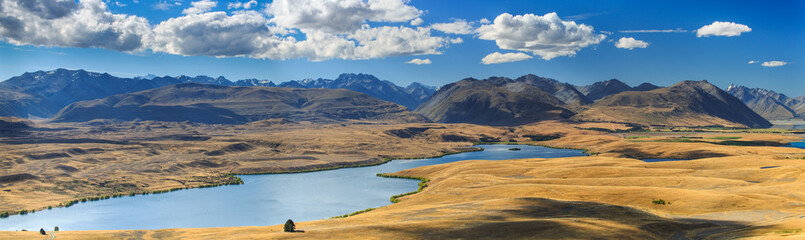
<point x="396" y="198"/>
<point x="354" y="213"/>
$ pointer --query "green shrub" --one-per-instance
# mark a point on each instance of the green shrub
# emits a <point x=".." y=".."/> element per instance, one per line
<point x="289" y="226"/>
<point x="659" y="202"/>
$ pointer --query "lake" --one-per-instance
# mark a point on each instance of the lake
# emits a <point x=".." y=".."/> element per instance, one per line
<point x="262" y="199"/>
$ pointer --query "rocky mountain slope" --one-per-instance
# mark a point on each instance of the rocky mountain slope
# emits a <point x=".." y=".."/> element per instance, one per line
<point x="563" y="91"/>
<point x="688" y="103"/>
<point x="493" y="101"/>
<point x="769" y="104"/>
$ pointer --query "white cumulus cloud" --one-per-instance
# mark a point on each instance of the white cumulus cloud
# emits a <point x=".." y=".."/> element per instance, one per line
<point x="286" y="30"/>
<point x="496" y="57"/>
<point x="396" y="41"/>
<point x="547" y="36"/>
<point x="630" y="43"/>
<point x="200" y="7"/>
<point x="752" y="62"/>
<point x="729" y="29"/>
<point x="244" y="5"/>
<point x="418" y="61"/>
<point x="87" y="24"/>
<point x="212" y="34"/>
<point x="456" y="27"/>
<point x="334" y="16"/>
<point x="417" y="22"/>
<point x="773" y="64"/>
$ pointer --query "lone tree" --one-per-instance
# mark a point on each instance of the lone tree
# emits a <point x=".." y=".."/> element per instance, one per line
<point x="289" y="226"/>
<point x="42" y="231"/>
<point x="56" y="229"/>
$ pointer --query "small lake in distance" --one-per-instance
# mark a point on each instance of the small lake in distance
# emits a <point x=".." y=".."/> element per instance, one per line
<point x="262" y="200"/>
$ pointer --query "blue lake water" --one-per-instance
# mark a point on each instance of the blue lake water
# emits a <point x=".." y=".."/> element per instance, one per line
<point x="261" y="200"/>
<point x="798" y="145"/>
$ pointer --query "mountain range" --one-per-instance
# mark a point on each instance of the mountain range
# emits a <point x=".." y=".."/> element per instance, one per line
<point x="216" y="104"/>
<point x="769" y="104"/>
<point x="43" y="93"/>
<point x="492" y="101"/>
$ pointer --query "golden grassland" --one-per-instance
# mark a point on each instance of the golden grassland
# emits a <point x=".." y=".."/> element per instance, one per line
<point x="728" y="191"/>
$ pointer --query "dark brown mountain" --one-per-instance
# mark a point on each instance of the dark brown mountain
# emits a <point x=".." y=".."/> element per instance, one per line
<point x="769" y="104"/>
<point x="599" y="90"/>
<point x="493" y="101"/>
<point x="645" y="87"/>
<point x="688" y="103"/>
<point x="206" y="103"/>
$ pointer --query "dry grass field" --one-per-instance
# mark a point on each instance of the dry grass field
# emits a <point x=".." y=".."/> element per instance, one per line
<point x="739" y="185"/>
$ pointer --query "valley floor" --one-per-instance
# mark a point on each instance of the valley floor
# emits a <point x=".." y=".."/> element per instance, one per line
<point x="732" y="188"/>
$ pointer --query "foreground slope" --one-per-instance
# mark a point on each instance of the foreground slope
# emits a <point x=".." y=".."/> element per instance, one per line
<point x="205" y="103"/>
<point x="688" y="103"/>
<point x="493" y="101"/>
<point x="752" y="192"/>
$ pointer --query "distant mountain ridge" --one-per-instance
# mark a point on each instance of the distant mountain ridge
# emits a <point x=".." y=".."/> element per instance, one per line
<point x="216" y="104"/>
<point x="411" y="97"/>
<point x="43" y="93"/>
<point x="687" y="103"/>
<point x="599" y="90"/>
<point x="769" y="104"/>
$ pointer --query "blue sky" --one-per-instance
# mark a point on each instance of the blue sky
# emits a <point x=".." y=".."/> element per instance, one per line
<point x="173" y="37"/>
